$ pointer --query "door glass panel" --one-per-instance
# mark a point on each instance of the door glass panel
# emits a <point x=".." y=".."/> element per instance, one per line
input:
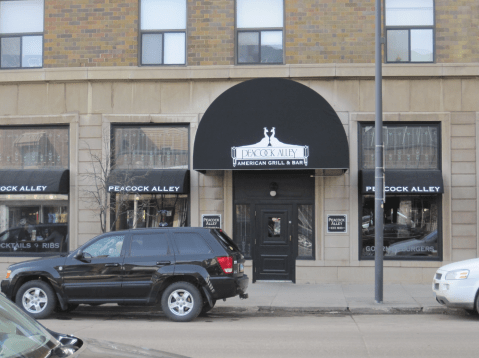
<point x="107" y="247"/>
<point x="242" y="235"/>
<point x="274" y="227"/>
<point x="305" y="231"/>
<point x="149" y="244"/>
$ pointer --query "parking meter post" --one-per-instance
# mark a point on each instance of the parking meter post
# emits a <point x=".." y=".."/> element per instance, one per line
<point x="379" y="165"/>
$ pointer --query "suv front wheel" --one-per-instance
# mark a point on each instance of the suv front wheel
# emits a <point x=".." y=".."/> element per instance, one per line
<point x="181" y="302"/>
<point x="36" y="298"/>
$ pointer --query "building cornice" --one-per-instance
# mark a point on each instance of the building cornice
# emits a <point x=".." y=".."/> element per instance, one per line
<point x="310" y="71"/>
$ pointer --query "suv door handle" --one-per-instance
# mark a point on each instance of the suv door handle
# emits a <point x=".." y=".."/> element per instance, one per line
<point x="162" y="263"/>
<point x="112" y="265"/>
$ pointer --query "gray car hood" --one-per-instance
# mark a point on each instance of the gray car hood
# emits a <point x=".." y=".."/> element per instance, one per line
<point x="93" y="348"/>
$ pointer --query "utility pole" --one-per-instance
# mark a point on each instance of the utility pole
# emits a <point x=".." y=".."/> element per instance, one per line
<point x="379" y="166"/>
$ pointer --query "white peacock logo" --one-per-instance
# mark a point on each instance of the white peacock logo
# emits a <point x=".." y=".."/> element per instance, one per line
<point x="269" y="151"/>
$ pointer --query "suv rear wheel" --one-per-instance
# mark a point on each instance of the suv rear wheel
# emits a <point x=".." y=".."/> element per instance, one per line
<point x="181" y="302"/>
<point x="36" y="298"/>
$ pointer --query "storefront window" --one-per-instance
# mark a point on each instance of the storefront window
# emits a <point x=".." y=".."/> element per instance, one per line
<point x="144" y="210"/>
<point x="33" y="148"/>
<point x="413" y="187"/>
<point x="405" y="146"/>
<point x="150" y="147"/>
<point x="410" y="226"/>
<point x="150" y="160"/>
<point x="33" y="223"/>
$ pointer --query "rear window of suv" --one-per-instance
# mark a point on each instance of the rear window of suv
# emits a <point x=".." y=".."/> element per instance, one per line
<point x="225" y="240"/>
<point x="191" y="243"/>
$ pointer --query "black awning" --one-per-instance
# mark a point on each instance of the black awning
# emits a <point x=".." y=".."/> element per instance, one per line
<point x="34" y="181"/>
<point x="155" y="181"/>
<point x="404" y="182"/>
<point x="270" y="123"/>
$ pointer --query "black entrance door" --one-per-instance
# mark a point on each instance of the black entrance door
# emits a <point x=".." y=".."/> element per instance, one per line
<point x="273" y="253"/>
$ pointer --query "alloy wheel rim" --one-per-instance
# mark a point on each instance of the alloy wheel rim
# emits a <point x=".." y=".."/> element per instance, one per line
<point x="180" y="302"/>
<point x="34" y="300"/>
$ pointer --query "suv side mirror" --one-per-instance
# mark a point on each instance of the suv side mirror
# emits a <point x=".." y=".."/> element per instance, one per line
<point x="78" y="255"/>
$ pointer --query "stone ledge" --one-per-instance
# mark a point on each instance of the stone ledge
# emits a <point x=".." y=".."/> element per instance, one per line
<point x="310" y="71"/>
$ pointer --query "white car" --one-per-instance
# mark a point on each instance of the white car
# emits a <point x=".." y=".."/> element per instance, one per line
<point x="457" y="285"/>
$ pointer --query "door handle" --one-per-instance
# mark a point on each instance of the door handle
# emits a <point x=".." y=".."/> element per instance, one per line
<point x="162" y="263"/>
<point x="112" y="265"/>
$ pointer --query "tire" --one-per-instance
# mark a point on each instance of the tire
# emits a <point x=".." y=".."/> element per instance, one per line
<point x="37" y="299"/>
<point x="206" y="307"/>
<point x="181" y="302"/>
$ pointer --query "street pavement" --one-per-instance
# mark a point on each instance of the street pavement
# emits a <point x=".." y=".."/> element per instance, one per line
<point x="279" y="298"/>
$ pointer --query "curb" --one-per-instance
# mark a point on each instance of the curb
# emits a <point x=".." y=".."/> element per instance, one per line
<point x="342" y="310"/>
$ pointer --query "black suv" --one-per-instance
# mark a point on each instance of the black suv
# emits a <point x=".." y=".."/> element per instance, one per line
<point x="186" y="269"/>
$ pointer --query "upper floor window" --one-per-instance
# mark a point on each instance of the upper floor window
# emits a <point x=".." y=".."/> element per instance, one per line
<point x="150" y="147"/>
<point x="163" y="32"/>
<point x="406" y="146"/>
<point x="33" y="147"/>
<point x="259" y="31"/>
<point x="409" y="30"/>
<point x="21" y="33"/>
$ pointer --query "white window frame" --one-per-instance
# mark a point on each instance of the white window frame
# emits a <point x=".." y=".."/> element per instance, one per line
<point x="161" y="31"/>
<point x="21" y="36"/>
<point x="259" y="30"/>
<point x="409" y="28"/>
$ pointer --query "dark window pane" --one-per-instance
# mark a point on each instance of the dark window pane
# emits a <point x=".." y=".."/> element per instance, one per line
<point x="191" y="243"/>
<point x="398" y="45"/>
<point x="152" y="49"/>
<point x="242" y="235"/>
<point x="305" y="231"/>
<point x="149" y="245"/>
<point x="10" y="51"/>
<point x="406" y="147"/>
<point x="410" y="226"/>
<point x="422" y="45"/>
<point x="271" y="46"/>
<point x="248" y="47"/>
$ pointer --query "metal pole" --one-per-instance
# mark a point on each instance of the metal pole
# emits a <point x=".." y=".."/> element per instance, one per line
<point x="379" y="166"/>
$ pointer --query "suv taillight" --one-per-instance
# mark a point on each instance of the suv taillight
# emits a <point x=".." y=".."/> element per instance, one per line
<point x="226" y="263"/>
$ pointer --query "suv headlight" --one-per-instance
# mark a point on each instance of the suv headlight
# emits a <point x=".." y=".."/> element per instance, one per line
<point x="8" y="274"/>
<point x="457" y="275"/>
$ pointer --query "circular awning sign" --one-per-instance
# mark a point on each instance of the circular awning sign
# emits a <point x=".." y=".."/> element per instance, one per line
<point x="270" y="123"/>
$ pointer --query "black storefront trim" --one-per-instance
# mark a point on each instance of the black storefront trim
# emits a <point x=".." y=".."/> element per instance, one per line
<point x="144" y="181"/>
<point x="35" y="181"/>
<point x="270" y="123"/>
<point x="408" y="182"/>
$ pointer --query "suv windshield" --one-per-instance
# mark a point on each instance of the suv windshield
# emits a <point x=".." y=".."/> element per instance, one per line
<point x="20" y="335"/>
<point x="225" y="240"/>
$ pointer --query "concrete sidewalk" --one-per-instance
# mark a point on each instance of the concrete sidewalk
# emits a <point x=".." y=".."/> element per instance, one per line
<point x="340" y="298"/>
<point x="280" y="299"/>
